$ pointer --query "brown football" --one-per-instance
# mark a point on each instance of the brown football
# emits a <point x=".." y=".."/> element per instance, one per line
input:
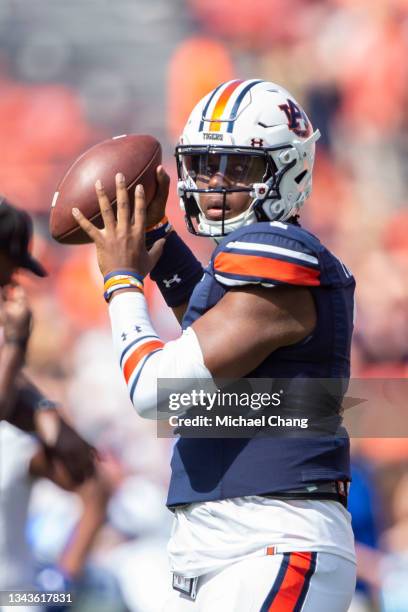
<point x="136" y="156"/>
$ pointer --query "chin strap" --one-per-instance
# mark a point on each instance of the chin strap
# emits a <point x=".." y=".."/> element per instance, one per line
<point x="214" y="228"/>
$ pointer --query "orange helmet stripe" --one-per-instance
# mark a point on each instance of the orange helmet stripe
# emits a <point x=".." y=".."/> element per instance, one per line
<point x="222" y="102"/>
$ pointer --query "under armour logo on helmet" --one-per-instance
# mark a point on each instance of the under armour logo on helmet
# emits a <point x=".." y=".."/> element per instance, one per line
<point x="168" y="282"/>
<point x="257" y="142"/>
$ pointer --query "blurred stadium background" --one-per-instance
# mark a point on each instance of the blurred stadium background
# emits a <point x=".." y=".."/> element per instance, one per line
<point x="74" y="73"/>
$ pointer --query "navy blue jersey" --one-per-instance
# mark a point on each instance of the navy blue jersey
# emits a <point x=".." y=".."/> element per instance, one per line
<point x="271" y="254"/>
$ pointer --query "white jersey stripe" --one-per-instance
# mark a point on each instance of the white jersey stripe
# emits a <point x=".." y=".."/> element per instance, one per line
<point x="345" y="270"/>
<point x="269" y="248"/>
<point x="234" y="282"/>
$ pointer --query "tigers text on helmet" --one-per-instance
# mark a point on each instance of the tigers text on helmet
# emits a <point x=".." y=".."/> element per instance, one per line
<point x="245" y="137"/>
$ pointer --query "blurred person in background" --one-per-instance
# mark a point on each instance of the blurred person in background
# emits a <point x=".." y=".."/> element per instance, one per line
<point x="55" y="451"/>
<point x="24" y="460"/>
<point x="392" y="569"/>
<point x="366" y="509"/>
<point x="246" y="537"/>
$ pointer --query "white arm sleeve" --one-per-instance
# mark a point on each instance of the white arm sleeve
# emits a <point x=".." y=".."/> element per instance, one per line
<point x="145" y="359"/>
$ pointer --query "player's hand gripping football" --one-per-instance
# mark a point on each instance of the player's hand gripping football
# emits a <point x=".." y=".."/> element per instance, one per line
<point x="157" y="207"/>
<point x="121" y="244"/>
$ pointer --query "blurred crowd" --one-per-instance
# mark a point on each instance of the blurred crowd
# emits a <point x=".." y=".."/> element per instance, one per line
<point x="72" y="74"/>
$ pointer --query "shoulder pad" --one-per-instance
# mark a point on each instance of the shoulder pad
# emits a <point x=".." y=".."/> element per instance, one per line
<point x="268" y="254"/>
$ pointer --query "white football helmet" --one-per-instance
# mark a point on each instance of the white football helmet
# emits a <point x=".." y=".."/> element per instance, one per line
<point x="262" y="124"/>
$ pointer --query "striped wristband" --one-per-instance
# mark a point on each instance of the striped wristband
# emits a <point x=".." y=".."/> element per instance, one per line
<point x="121" y="279"/>
<point x="155" y="232"/>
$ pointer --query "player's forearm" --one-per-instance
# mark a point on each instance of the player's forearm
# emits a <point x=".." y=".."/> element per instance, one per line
<point x="179" y="311"/>
<point x="95" y="496"/>
<point x="29" y="406"/>
<point x="11" y="361"/>
<point x="145" y="359"/>
<point x="177" y="271"/>
<point x="176" y="274"/>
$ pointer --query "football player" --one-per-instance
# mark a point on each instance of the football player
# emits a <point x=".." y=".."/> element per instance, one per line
<point x="261" y="523"/>
<point x="21" y="402"/>
<point x="57" y="451"/>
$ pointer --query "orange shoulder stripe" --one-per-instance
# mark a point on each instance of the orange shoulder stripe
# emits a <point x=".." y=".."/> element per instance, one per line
<point x="265" y="267"/>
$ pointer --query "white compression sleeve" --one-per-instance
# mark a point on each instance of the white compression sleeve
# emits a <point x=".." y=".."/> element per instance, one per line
<point x="144" y="358"/>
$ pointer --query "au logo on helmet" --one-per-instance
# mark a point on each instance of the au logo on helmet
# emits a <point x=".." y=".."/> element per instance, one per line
<point x="297" y="119"/>
<point x="257" y="142"/>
